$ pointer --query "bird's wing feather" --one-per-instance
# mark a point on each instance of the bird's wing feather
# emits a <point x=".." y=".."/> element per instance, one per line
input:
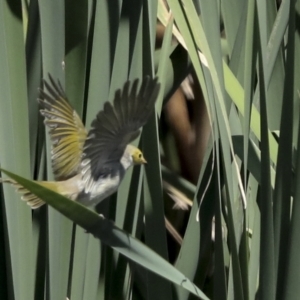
<point x="118" y="124"/>
<point x="66" y="130"/>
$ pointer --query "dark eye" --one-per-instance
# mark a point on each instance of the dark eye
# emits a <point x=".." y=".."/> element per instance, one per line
<point x="140" y="155"/>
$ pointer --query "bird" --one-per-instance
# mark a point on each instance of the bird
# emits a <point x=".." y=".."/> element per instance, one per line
<point x="88" y="166"/>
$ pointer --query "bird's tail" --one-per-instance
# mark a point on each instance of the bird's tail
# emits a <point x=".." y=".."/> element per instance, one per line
<point x="32" y="200"/>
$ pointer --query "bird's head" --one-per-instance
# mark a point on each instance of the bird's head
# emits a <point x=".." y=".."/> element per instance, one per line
<point x="136" y="154"/>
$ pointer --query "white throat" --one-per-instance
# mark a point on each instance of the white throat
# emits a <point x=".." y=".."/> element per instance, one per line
<point x="126" y="160"/>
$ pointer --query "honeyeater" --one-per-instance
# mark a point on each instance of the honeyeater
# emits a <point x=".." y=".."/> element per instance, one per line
<point x="89" y="166"/>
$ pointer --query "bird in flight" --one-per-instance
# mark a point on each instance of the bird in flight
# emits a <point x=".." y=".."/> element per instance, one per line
<point x="89" y="166"/>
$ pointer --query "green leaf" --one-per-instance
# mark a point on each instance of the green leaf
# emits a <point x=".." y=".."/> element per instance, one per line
<point x="109" y="234"/>
<point x="14" y="151"/>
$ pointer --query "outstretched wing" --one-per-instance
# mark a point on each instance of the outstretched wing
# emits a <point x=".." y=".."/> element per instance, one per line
<point x="67" y="132"/>
<point x="117" y="125"/>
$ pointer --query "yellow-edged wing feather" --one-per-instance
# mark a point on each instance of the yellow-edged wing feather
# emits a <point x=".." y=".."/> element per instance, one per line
<point x="67" y="132"/>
